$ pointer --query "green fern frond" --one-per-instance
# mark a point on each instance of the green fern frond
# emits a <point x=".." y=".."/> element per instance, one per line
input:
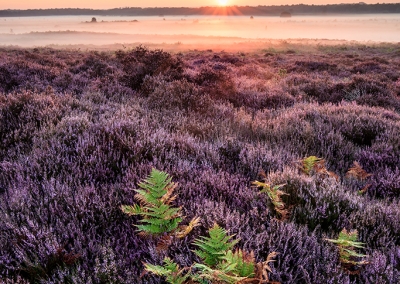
<point x="241" y="262"/>
<point x="309" y="163"/>
<point x="143" y="198"/>
<point x="347" y="242"/>
<point x="170" y="270"/>
<point x="275" y="195"/>
<point x="156" y="185"/>
<point x="155" y="195"/>
<point x="212" y="249"/>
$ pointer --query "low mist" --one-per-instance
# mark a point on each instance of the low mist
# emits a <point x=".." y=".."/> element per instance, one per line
<point x="194" y="30"/>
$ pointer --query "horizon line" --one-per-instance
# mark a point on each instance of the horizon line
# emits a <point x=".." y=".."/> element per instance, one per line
<point x="215" y="6"/>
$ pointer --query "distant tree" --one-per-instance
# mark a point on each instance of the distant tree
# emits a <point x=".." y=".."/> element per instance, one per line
<point x="286" y="14"/>
<point x="94" y="20"/>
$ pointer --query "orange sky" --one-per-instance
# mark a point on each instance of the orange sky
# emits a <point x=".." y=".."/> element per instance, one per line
<point x="105" y="4"/>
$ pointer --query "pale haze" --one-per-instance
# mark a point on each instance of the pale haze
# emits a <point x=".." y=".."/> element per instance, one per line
<point x="183" y="30"/>
<point x="106" y="4"/>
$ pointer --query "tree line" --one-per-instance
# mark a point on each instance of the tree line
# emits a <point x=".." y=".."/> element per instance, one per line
<point x="300" y="9"/>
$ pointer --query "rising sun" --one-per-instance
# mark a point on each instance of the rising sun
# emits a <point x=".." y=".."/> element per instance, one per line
<point x="222" y="2"/>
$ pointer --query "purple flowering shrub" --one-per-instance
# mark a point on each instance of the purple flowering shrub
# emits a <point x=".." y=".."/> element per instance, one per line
<point x="141" y="62"/>
<point x="79" y="130"/>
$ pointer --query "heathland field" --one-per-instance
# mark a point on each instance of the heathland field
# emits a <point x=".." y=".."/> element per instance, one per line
<point x="318" y="126"/>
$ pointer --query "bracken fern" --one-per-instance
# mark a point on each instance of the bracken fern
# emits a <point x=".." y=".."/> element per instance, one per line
<point x="275" y="195"/>
<point x="313" y="164"/>
<point x="155" y="197"/>
<point x="357" y="172"/>
<point x="222" y="275"/>
<point x="347" y="242"/>
<point x="213" y="249"/>
<point x="159" y="217"/>
<point x="170" y="270"/>
<point x="308" y="164"/>
<point x="243" y="263"/>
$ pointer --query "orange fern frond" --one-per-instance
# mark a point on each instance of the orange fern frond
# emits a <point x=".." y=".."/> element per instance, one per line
<point x="262" y="174"/>
<point x="247" y="256"/>
<point x="321" y="170"/>
<point x="262" y="268"/>
<point x="168" y="197"/>
<point x="144" y="235"/>
<point x="185" y="230"/>
<point x="164" y="243"/>
<point x="357" y="172"/>
<point x="283" y="213"/>
<point x="141" y="199"/>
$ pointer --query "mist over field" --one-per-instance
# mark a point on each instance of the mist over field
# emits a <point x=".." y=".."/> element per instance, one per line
<point x="37" y="31"/>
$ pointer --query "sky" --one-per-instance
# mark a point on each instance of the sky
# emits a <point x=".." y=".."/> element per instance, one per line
<point x="107" y="4"/>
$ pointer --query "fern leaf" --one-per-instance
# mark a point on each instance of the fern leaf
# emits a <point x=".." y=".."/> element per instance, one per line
<point x="170" y="270"/>
<point x="357" y="172"/>
<point x="144" y="198"/>
<point x="213" y="248"/>
<point x="156" y="183"/>
<point x="320" y="169"/>
<point x="168" y="197"/>
<point x="131" y="210"/>
<point x="263" y="268"/>
<point x="156" y="269"/>
<point x="274" y="193"/>
<point x="309" y="163"/>
<point x="155" y="196"/>
<point x="164" y="243"/>
<point x="187" y="229"/>
<point x="216" y="275"/>
<point x="241" y="263"/>
<point x="347" y="242"/>
<point x="261" y="184"/>
<point x="150" y="229"/>
<point x="352" y="253"/>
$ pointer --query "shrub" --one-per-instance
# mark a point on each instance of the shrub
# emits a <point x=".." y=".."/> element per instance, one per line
<point x="141" y="62"/>
<point x="169" y="96"/>
<point x="217" y="83"/>
<point x="23" y="115"/>
<point x="76" y="138"/>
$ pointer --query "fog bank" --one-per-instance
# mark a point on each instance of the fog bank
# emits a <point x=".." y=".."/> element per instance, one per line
<point x="38" y="31"/>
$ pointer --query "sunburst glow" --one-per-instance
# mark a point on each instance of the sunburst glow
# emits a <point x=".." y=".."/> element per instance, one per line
<point x="222" y="2"/>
